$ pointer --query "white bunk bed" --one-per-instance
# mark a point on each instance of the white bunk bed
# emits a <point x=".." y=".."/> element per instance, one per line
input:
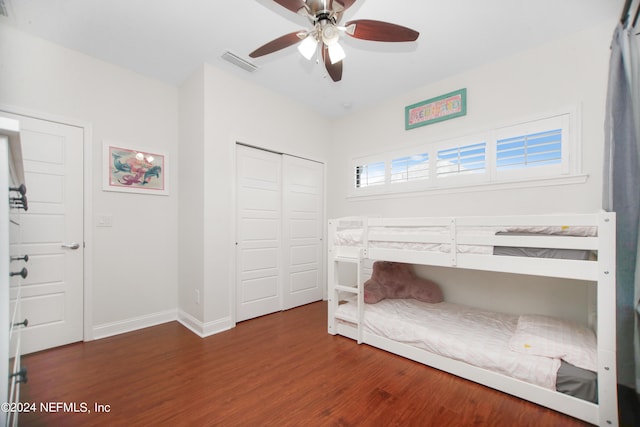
<point x="470" y="243"/>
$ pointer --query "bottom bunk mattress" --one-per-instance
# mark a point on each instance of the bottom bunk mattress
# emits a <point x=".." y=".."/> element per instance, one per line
<point x="479" y="338"/>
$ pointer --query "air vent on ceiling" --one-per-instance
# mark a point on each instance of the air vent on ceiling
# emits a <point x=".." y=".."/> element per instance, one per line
<point x="236" y="60"/>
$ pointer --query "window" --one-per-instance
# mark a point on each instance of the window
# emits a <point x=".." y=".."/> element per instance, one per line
<point x="370" y="174"/>
<point x="462" y="160"/>
<point x="526" y="151"/>
<point x="533" y="150"/>
<point x="410" y="168"/>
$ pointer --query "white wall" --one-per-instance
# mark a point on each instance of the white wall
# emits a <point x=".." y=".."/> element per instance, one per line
<point x="566" y="72"/>
<point x="134" y="280"/>
<point x="235" y="110"/>
<point x="191" y="200"/>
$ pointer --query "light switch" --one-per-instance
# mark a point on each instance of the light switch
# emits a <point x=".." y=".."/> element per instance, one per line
<point x="104" y="221"/>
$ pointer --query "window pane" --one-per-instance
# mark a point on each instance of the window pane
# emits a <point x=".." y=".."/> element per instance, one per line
<point x="531" y="150"/>
<point x="410" y="168"/>
<point x="369" y="174"/>
<point x="462" y="160"/>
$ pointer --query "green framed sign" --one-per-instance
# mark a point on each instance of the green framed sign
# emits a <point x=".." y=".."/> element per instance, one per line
<point x="444" y="107"/>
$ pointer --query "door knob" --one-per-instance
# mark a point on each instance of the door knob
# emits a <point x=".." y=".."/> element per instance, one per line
<point x="73" y="246"/>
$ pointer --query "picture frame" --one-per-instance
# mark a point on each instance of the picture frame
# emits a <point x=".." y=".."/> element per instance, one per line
<point x="134" y="170"/>
<point x="434" y="110"/>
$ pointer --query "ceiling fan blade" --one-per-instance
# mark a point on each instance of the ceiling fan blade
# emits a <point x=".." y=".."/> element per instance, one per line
<point x="277" y="44"/>
<point x="367" y="29"/>
<point x="334" y="70"/>
<point x="340" y="6"/>
<point x="346" y="4"/>
<point x="293" y="5"/>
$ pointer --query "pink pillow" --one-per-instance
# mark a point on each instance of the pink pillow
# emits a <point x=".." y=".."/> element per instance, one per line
<point x="398" y="280"/>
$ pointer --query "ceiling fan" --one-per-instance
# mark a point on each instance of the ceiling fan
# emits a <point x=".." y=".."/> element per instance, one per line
<point x="325" y="16"/>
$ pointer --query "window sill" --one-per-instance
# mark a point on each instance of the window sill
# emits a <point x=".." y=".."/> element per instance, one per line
<point x="466" y="188"/>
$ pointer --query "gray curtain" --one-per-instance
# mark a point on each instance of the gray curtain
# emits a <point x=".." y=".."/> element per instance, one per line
<point x="621" y="193"/>
<point x="633" y="37"/>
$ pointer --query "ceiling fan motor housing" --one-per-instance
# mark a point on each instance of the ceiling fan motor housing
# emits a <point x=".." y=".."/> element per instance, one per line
<point x="318" y="9"/>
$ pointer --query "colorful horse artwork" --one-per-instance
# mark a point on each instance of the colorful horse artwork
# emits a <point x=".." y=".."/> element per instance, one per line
<point x="136" y="169"/>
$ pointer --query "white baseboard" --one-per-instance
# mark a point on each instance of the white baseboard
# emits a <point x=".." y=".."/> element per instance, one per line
<point x="129" y="325"/>
<point x="194" y="325"/>
<point x="204" y="329"/>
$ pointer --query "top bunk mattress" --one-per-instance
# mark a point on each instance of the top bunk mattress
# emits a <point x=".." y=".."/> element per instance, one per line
<point x="436" y="239"/>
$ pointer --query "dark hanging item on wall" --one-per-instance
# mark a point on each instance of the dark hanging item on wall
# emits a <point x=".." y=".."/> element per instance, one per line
<point x="24" y="258"/>
<point x="22" y="273"/>
<point x="19" y="201"/>
<point x="21" y="375"/>
<point x="22" y="189"/>
<point x="24" y="323"/>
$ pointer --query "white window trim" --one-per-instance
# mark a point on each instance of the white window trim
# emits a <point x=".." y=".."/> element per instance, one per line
<point x="569" y="172"/>
<point x="475" y="187"/>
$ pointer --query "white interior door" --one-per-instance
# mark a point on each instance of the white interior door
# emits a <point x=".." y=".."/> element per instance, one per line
<point x="303" y="223"/>
<point x="259" y="217"/>
<point x="51" y="233"/>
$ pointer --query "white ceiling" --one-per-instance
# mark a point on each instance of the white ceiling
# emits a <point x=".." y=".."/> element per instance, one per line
<point x="169" y="39"/>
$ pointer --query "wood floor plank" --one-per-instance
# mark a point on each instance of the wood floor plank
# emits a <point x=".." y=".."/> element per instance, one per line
<point x="278" y="370"/>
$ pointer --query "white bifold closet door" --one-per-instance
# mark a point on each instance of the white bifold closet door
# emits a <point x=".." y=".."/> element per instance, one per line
<point x="280" y="218"/>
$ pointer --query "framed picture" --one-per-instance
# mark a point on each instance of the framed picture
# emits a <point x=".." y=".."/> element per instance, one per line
<point x="444" y="107"/>
<point x="134" y="170"/>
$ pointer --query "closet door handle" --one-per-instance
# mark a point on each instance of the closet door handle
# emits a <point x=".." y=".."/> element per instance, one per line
<point x="73" y="246"/>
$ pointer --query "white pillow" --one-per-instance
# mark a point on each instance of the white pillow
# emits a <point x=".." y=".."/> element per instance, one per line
<point x="559" y="339"/>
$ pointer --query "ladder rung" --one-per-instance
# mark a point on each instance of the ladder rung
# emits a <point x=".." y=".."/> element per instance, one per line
<point x="346" y="318"/>
<point x="351" y="289"/>
<point x="347" y="259"/>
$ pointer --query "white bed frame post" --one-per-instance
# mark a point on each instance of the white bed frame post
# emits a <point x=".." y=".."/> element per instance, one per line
<point x="332" y="278"/>
<point x="606" y="322"/>
<point x="453" y="252"/>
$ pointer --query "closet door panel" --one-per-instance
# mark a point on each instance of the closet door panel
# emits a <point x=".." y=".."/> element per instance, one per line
<point x="304" y="281"/>
<point x="258" y="234"/>
<point x="303" y="219"/>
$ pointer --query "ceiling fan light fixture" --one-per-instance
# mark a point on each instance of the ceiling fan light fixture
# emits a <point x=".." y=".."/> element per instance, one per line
<point x="308" y="46"/>
<point x="330" y="34"/>
<point x="336" y="53"/>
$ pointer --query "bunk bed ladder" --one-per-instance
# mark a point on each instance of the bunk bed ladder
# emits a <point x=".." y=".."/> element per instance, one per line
<point x="335" y="288"/>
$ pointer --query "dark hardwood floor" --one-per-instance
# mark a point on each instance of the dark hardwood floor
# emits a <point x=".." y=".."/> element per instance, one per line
<point x="277" y="370"/>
